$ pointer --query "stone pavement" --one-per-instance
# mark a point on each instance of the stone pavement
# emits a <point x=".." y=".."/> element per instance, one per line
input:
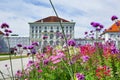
<point x="16" y="66"/>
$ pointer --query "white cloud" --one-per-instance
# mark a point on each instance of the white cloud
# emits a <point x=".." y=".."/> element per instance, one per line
<point x="19" y="12"/>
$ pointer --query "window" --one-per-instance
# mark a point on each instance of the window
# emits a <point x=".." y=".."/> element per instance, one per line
<point x="39" y="35"/>
<point x="45" y="43"/>
<point x="51" y="36"/>
<point x="57" y="28"/>
<point x="66" y="31"/>
<point x="51" y="27"/>
<point x="51" y="42"/>
<point x="36" y="27"/>
<point x="40" y="43"/>
<point x="32" y="31"/>
<point x="45" y="27"/>
<point x="39" y="31"/>
<point x="57" y="42"/>
<point x="32" y="27"/>
<point x="111" y="35"/>
<point x="45" y="34"/>
<point x="36" y="31"/>
<point x="67" y="27"/>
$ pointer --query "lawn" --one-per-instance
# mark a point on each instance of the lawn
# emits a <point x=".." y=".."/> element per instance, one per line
<point x="13" y="57"/>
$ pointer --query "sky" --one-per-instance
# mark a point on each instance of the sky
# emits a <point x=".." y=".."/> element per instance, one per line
<point x="18" y="13"/>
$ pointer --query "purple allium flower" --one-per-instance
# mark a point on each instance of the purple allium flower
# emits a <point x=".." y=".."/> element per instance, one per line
<point x="25" y="47"/>
<point x="4" y="25"/>
<point x="6" y="65"/>
<point x="6" y="30"/>
<point x="10" y="31"/>
<point x="92" y="37"/>
<point x="91" y="31"/>
<point x="19" y="45"/>
<point x="30" y="63"/>
<point x="15" y="49"/>
<point x="19" y="73"/>
<point x="80" y="76"/>
<point x="95" y="24"/>
<point x="30" y="47"/>
<point x="92" y="23"/>
<point x="101" y="26"/>
<point x="45" y="37"/>
<point x="98" y="29"/>
<point x="6" y="34"/>
<point x="71" y="42"/>
<point x="33" y="51"/>
<point x="35" y="43"/>
<point x="114" y="17"/>
<point x="45" y="62"/>
<point x="85" y="58"/>
<point x="86" y="33"/>
<point x="117" y="23"/>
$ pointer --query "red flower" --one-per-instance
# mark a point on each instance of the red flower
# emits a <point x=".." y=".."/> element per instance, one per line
<point x="103" y="71"/>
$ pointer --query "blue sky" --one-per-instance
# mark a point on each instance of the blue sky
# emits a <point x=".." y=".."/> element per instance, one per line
<point x="17" y="13"/>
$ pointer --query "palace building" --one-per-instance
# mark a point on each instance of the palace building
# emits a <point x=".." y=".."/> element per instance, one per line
<point x="113" y="33"/>
<point x="50" y="27"/>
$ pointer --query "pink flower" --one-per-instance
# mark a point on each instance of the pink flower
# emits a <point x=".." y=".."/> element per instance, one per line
<point x="19" y="73"/>
<point x="85" y="58"/>
<point x="40" y="71"/>
<point x="56" y="61"/>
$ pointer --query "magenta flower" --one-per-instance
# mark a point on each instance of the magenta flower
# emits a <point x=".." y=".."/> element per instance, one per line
<point x="19" y="45"/>
<point x="15" y="49"/>
<point x="35" y="43"/>
<point x="85" y="58"/>
<point x="30" y="47"/>
<point x="114" y="17"/>
<point x="6" y="30"/>
<point x="4" y="25"/>
<point x="46" y="61"/>
<point x="30" y="63"/>
<point x="25" y="47"/>
<point x="6" y="34"/>
<point x="45" y="37"/>
<point x="95" y="24"/>
<point x="39" y="71"/>
<point x="91" y="31"/>
<point x="101" y="26"/>
<point x="19" y="73"/>
<point x="6" y="65"/>
<point x="80" y="76"/>
<point x="10" y="31"/>
<point x="71" y="42"/>
<point x="86" y="33"/>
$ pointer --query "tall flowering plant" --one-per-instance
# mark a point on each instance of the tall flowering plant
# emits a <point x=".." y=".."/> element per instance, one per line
<point x="7" y="32"/>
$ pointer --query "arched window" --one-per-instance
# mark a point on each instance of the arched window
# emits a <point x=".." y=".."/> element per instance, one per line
<point x="45" y="43"/>
<point x="57" y="42"/>
<point x="51" y="36"/>
<point x="51" y="42"/>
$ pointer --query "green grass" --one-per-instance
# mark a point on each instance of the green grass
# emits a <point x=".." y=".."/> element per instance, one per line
<point x="13" y="57"/>
<point x="3" y="54"/>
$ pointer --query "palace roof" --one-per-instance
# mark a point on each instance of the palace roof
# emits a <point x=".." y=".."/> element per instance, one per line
<point x="52" y="19"/>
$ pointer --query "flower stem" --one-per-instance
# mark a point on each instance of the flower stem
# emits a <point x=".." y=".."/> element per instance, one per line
<point x="63" y="36"/>
<point x="12" y="78"/>
<point x="2" y="75"/>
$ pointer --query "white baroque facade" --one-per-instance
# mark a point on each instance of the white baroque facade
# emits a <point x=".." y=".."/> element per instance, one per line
<point x="14" y="40"/>
<point x="113" y="33"/>
<point x="49" y="27"/>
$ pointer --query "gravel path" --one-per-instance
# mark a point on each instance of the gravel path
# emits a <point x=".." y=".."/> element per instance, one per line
<point x="16" y="66"/>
